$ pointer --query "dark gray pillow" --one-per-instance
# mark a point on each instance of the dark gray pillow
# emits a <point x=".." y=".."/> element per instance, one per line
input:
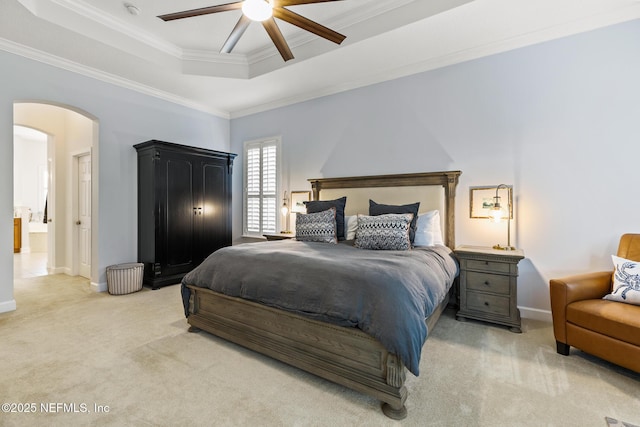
<point x="322" y="205"/>
<point x="380" y="209"/>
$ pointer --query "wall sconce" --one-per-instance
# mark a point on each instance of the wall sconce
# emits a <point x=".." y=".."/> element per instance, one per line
<point x="285" y="212"/>
<point x="497" y="214"/>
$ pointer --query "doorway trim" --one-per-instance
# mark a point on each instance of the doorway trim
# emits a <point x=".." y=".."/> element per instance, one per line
<point x="75" y="198"/>
<point x="51" y="206"/>
<point x="94" y="149"/>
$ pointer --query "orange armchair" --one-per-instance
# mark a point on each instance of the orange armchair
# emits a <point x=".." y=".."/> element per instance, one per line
<point x="581" y="318"/>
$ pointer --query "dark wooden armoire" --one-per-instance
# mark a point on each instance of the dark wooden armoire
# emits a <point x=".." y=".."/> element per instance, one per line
<point x="184" y="208"/>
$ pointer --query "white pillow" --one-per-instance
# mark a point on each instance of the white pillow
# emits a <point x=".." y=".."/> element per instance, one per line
<point x="626" y="281"/>
<point x="350" y="226"/>
<point x="429" y="231"/>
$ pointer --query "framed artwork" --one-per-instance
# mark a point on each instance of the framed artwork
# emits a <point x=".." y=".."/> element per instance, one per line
<point x="297" y="201"/>
<point x="481" y="200"/>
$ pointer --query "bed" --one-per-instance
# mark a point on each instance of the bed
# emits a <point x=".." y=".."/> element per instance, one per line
<point x="340" y="353"/>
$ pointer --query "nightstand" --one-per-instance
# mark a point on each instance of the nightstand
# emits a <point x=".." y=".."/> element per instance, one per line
<point x="489" y="285"/>
<point x="279" y="236"/>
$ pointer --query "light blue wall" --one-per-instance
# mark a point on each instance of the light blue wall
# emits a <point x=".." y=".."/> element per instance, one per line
<point x="557" y="120"/>
<point x="560" y="121"/>
<point x="125" y="118"/>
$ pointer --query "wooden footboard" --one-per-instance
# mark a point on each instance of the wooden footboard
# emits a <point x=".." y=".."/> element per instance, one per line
<point x="346" y="356"/>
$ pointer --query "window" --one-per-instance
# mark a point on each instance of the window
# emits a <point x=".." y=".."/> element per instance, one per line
<point x="261" y="186"/>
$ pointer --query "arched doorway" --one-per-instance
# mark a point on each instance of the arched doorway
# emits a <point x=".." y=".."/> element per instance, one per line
<point x="31" y="183"/>
<point x="72" y="137"/>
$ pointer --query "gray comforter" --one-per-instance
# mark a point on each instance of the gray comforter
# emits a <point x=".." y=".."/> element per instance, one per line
<point x="387" y="294"/>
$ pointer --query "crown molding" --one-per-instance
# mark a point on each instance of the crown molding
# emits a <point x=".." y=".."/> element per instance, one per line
<point x="260" y="55"/>
<point x="89" y="11"/>
<point x="56" y="61"/>
<point x="51" y="10"/>
<point x="595" y="22"/>
<point x="216" y="57"/>
<point x="621" y="14"/>
<point x="338" y="23"/>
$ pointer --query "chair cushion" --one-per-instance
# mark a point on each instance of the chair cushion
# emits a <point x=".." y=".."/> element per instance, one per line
<point x="616" y="320"/>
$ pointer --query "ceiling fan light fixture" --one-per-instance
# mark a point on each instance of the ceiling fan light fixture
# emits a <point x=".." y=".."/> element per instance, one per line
<point x="264" y="11"/>
<point x="257" y="10"/>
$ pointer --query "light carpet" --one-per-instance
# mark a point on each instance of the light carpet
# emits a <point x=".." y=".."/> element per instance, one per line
<point x="612" y="422"/>
<point x="95" y="359"/>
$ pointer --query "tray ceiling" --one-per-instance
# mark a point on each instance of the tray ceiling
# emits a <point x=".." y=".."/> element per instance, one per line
<point x="386" y="39"/>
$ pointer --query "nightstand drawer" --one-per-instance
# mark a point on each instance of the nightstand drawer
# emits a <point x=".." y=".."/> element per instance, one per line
<point x="486" y="303"/>
<point x="488" y="282"/>
<point x="489" y="285"/>
<point x="491" y="266"/>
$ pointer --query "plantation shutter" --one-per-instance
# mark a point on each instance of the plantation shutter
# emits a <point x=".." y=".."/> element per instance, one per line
<point x="261" y="178"/>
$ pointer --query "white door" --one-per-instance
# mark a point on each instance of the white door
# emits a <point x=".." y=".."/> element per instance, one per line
<point x="51" y="208"/>
<point x="84" y="215"/>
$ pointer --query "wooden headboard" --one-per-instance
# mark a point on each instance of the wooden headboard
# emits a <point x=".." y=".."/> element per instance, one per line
<point x="434" y="190"/>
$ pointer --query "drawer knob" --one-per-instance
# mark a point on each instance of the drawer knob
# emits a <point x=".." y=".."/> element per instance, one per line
<point x="486" y="303"/>
<point x="486" y="282"/>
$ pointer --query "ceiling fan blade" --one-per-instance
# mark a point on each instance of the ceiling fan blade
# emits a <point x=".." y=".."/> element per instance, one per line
<point x="308" y="25"/>
<point x="277" y="38"/>
<point x="201" y="11"/>
<point x="283" y="3"/>
<point x="238" y="31"/>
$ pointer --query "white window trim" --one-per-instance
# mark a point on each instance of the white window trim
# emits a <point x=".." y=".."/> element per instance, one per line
<point x="278" y="143"/>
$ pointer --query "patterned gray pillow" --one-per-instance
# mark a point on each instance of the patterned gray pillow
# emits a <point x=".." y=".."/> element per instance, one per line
<point x="321" y="205"/>
<point x="317" y="227"/>
<point x="380" y="209"/>
<point x="386" y="232"/>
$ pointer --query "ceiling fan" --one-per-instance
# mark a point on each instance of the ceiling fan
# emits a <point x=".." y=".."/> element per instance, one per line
<point x="264" y="11"/>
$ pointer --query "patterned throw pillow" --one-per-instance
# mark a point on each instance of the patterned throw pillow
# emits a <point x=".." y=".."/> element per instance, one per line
<point x="317" y="227"/>
<point x="626" y="281"/>
<point x="386" y="232"/>
<point x="380" y="209"/>
<point x="321" y="205"/>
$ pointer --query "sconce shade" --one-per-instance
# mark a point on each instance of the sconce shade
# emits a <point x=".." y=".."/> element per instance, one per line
<point x="285" y="208"/>
<point x="285" y="212"/>
<point x="497" y="214"/>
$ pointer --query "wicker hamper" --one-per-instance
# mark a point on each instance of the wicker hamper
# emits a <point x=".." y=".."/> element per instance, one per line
<point x="124" y="278"/>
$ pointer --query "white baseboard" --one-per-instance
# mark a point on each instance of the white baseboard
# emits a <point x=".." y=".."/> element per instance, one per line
<point x="7" y="306"/>
<point x="535" y="314"/>
<point x="99" y="287"/>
